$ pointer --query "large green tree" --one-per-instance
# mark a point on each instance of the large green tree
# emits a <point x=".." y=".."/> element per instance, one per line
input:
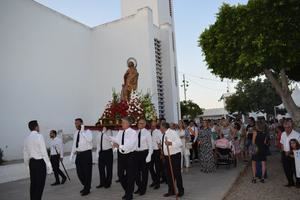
<point x="253" y="96"/>
<point x="259" y="38"/>
<point x="190" y="110"/>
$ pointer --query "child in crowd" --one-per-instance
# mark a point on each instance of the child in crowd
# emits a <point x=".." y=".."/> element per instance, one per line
<point x="294" y="146"/>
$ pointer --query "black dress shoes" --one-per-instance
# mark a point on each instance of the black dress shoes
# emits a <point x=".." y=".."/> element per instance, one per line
<point x="169" y="194"/>
<point x="84" y="193"/>
<point x="152" y="184"/>
<point x="126" y="198"/>
<point x="137" y="191"/>
<point x="63" y="180"/>
<point x="156" y="187"/>
<point x="100" y="186"/>
<point x="180" y="194"/>
<point x="81" y="191"/>
<point x="290" y="185"/>
<point x="56" y="183"/>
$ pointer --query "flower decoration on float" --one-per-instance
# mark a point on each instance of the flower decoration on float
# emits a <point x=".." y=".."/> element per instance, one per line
<point x="139" y="106"/>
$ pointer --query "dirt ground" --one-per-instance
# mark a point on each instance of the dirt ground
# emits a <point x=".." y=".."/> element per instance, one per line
<point x="272" y="189"/>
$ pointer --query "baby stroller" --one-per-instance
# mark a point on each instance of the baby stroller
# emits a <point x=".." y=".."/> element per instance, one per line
<point x="225" y="156"/>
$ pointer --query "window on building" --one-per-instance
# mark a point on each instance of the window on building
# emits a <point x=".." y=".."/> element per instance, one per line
<point x="175" y="74"/>
<point x="159" y="78"/>
<point x="171" y="7"/>
<point x="173" y="41"/>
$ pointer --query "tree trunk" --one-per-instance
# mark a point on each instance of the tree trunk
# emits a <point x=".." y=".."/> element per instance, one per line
<point x="285" y="94"/>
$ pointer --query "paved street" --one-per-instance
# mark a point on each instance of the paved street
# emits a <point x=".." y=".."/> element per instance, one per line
<point x="198" y="186"/>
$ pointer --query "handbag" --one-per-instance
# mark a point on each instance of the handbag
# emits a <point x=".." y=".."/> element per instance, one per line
<point x="189" y="145"/>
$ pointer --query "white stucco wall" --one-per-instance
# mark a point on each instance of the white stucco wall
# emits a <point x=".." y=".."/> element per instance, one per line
<point x="168" y="62"/>
<point x="160" y="9"/>
<point x="55" y="69"/>
<point x="44" y="72"/>
<point x="113" y="44"/>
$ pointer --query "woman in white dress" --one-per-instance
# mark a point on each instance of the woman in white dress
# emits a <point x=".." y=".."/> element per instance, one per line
<point x="184" y="136"/>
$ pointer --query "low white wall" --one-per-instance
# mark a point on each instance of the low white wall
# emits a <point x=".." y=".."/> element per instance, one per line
<point x="44" y="72"/>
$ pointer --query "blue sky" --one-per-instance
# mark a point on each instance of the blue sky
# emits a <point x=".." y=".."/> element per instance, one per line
<point x="191" y="18"/>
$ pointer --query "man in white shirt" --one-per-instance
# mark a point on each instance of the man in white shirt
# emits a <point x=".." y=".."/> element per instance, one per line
<point x="193" y="130"/>
<point x="126" y="141"/>
<point x="36" y="158"/>
<point x="285" y="146"/>
<point x="143" y="156"/>
<point x="82" y="147"/>
<point x="155" y="169"/>
<point x="56" y="154"/>
<point x="105" y="158"/>
<point x="171" y="141"/>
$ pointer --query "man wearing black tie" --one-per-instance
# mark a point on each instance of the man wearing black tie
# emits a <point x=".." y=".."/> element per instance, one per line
<point x="143" y="155"/>
<point x="82" y="147"/>
<point x="105" y="158"/>
<point x="171" y="139"/>
<point x="126" y="142"/>
<point x="155" y="168"/>
<point x="36" y="158"/>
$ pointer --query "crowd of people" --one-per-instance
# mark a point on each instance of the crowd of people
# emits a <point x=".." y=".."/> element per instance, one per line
<point x="162" y="150"/>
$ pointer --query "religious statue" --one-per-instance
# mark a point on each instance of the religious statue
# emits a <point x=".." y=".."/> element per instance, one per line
<point x="130" y="80"/>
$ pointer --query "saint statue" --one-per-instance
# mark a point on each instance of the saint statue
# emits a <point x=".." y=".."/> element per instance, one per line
<point x="130" y="80"/>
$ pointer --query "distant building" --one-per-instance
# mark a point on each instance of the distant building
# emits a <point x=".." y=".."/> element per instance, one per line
<point x="214" y="113"/>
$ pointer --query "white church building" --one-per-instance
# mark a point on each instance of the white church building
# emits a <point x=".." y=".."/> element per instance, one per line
<point x="55" y="69"/>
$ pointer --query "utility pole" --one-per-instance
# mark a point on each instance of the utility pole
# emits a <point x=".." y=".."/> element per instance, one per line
<point x="185" y="85"/>
<point x="227" y="86"/>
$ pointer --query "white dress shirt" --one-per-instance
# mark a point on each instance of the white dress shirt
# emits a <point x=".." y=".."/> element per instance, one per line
<point x="106" y="144"/>
<point x="85" y="142"/>
<point x="173" y="137"/>
<point x="145" y="142"/>
<point x="285" y="139"/>
<point x="181" y="134"/>
<point x="34" y="147"/>
<point x="130" y="141"/>
<point x="56" y="143"/>
<point x="156" y="138"/>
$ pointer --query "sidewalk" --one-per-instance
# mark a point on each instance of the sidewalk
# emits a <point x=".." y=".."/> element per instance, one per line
<point x="198" y="186"/>
<point x="18" y="170"/>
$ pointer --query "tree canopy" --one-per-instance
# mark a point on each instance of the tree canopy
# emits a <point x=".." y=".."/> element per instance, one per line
<point x="247" y="39"/>
<point x="261" y="37"/>
<point x="190" y="110"/>
<point x="253" y="96"/>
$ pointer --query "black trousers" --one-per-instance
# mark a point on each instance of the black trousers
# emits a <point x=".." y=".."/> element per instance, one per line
<point x="163" y="175"/>
<point x="84" y="165"/>
<point x="176" y="165"/>
<point x="142" y="171"/>
<point x="289" y="168"/>
<point x="38" y="172"/>
<point x="127" y="172"/>
<point x="155" y="167"/>
<point x="54" y="159"/>
<point x="194" y="151"/>
<point x="105" y="165"/>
